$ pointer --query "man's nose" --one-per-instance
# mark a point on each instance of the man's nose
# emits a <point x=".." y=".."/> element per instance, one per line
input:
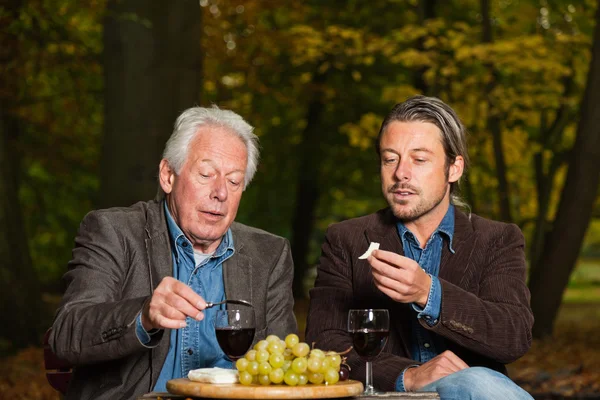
<point x="219" y="189"/>
<point x="403" y="171"/>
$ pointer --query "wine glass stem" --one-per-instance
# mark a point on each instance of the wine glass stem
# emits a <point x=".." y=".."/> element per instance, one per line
<point x="369" y="379"/>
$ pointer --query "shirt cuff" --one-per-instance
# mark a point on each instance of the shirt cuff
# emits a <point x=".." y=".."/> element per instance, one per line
<point x="431" y="312"/>
<point x="400" y="381"/>
<point x="143" y="336"/>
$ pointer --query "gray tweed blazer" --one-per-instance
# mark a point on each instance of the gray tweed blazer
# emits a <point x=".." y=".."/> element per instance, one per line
<point x="120" y="256"/>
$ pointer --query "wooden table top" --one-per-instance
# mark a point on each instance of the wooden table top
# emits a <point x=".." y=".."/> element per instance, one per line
<point x="387" y="395"/>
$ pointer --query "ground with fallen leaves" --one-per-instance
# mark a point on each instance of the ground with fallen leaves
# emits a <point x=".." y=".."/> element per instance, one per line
<point x="566" y="366"/>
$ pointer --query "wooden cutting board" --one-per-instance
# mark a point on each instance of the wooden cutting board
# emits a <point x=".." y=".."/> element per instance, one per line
<point x="186" y="387"/>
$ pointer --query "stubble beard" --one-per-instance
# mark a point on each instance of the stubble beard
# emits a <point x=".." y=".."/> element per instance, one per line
<point x="420" y="209"/>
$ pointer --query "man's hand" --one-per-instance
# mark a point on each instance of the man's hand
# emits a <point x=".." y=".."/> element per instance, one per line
<point x="171" y="303"/>
<point x="399" y="277"/>
<point x="438" y="367"/>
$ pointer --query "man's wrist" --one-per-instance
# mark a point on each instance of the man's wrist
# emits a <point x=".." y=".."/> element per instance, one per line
<point x="402" y="383"/>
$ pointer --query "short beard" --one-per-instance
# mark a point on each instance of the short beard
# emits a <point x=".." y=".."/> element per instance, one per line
<point x="422" y="208"/>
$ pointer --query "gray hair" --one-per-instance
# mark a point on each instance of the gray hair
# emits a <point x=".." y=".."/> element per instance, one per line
<point x="191" y="120"/>
<point x="453" y="132"/>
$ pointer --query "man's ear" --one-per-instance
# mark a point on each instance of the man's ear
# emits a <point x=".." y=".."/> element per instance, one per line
<point x="456" y="169"/>
<point x="166" y="176"/>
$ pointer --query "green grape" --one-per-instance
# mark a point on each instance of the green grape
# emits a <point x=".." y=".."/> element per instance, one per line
<point x="276" y="375"/>
<point x="254" y="379"/>
<point x="251" y="355"/>
<point x="302" y="379"/>
<point x="325" y="364"/>
<point x="264" y="380"/>
<point x="241" y="364"/>
<point x="272" y="338"/>
<point x="290" y="378"/>
<point x="276" y="360"/>
<point x="283" y="345"/>
<point x="300" y="349"/>
<point x="335" y="360"/>
<point x="287" y="353"/>
<point x="299" y="365"/>
<point x="314" y="364"/>
<point x="264" y="368"/>
<point x="245" y="378"/>
<point x="252" y="368"/>
<point x="262" y="355"/>
<point x="317" y="353"/>
<point x="275" y="347"/>
<point x="291" y="340"/>
<point x="331" y="376"/>
<point x="261" y="345"/>
<point x="315" y="378"/>
<point x="286" y="365"/>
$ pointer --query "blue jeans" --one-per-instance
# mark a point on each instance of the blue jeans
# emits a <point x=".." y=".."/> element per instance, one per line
<point x="477" y="383"/>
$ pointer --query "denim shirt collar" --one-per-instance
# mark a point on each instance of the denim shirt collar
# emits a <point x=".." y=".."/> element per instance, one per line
<point x="180" y="243"/>
<point x="446" y="227"/>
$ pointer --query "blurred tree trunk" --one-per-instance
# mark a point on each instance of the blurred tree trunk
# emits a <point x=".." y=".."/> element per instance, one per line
<point x="426" y="11"/>
<point x="307" y="186"/>
<point x="153" y="70"/>
<point x="563" y="243"/>
<point x="493" y="121"/>
<point x="551" y="135"/>
<point x="21" y="313"/>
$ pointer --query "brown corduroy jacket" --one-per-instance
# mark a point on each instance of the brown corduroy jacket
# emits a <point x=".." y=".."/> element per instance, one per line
<point x="485" y="315"/>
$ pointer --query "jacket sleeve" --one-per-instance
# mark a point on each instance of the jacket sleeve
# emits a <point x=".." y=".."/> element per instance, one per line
<point x="330" y="300"/>
<point x="493" y="318"/>
<point x="94" y="323"/>
<point x="280" y="299"/>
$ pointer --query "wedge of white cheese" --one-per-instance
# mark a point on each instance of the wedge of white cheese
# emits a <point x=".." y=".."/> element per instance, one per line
<point x="373" y="246"/>
<point x="213" y="375"/>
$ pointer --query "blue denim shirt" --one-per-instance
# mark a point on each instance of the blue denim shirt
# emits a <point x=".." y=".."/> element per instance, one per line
<point x="426" y="345"/>
<point x="194" y="346"/>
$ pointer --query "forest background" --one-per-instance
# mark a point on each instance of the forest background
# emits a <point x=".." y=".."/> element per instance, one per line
<point x="89" y="92"/>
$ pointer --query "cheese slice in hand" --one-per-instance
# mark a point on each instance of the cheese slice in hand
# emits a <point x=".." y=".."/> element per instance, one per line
<point x="373" y="246"/>
<point x="213" y="375"/>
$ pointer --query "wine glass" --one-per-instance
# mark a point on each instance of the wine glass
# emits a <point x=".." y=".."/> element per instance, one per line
<point x="370" y="329"/>
<point x="235" y="331"/>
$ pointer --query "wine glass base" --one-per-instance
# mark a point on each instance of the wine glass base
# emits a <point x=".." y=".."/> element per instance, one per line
<point x="371" y="391"/>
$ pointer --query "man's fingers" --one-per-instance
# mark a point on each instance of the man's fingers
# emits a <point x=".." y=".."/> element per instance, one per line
<point x="168" y="323"/>
<point x="182" y="305"/>
<point x="455" y="360"/>
<point x="393" y="259"/>
<point x="189" y="295"/>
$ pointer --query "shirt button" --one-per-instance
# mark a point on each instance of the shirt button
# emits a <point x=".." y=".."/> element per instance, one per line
<point x="426" y="345"/>
<point x="190" y="351"/>
<point x="184" y="244"/>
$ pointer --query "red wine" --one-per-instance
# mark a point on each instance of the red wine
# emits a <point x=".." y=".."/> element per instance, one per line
<point x="235" y="342"/>
<point x="369" y="343"/>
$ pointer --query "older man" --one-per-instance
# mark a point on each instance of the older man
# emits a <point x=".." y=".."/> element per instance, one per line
<point x="454" y="283"/>
<point x="134" y="313"/>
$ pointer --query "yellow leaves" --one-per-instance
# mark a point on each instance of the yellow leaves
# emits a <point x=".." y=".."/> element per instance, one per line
<point x="399" y="93"/>
<point x="413" y="58"/>
<point x="347" y="46"/>
<point x="361" y="135"/>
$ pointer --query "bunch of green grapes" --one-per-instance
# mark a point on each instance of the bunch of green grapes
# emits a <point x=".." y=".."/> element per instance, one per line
<point x="289" y="361"/>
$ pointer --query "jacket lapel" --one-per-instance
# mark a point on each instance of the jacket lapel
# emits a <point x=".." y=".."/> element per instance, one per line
<point x="237" y="273"/>
<point x="160" y="265"/>
<point x="158" y="245"/>
<point x="454" y="267"/>
<point x="385" y="233"/>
